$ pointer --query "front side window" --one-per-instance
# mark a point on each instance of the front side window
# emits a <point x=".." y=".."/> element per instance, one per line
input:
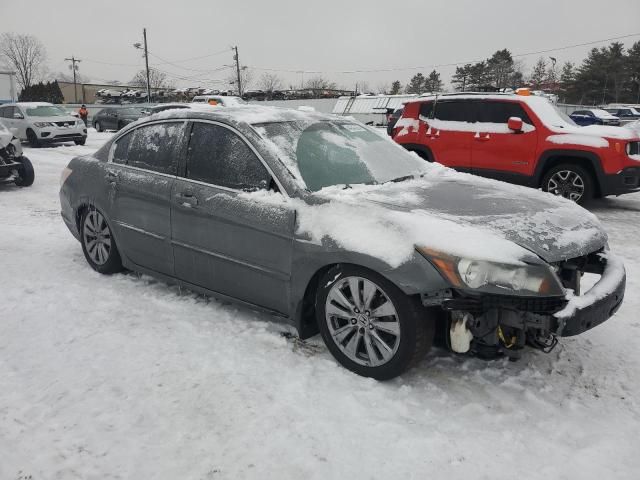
<point x="152" y="147"/>
<point x="219" y="156"/>
<point x="500" y="112"/>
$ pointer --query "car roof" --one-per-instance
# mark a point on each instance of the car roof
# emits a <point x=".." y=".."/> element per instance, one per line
<point x="249" y="114"/>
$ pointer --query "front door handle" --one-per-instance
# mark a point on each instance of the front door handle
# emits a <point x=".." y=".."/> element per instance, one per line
<point x="480" y="138"/>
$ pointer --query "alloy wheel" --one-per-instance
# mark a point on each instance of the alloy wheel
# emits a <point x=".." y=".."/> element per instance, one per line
<point x="363" y="321"/>
<point x="566" y="183"/>
<point x="97" y="237"/>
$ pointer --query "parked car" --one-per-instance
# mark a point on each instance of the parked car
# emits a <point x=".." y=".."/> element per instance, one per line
<point x="42" y="123"/>
<point x="109" y="93"/>
<point x="323" y="222"/>
<point x="114" y="118"/>
<point x="624" y="113"/>
<point x="14" y="166"/>
<point x="594" y="116"/>
<point x="164" y="106"/>
<point x="524" y="140"/>
<point x="219" y="100"/>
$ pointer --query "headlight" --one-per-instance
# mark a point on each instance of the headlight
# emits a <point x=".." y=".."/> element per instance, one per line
<point x="497" y="278"/>
<point x="43" y="124"/>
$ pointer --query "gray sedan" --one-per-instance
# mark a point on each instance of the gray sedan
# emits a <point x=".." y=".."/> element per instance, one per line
<point x="335" y="229"/>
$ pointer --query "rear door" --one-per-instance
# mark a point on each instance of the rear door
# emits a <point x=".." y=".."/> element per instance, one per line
<point x="449" y="132"/>
<point x="497" y="151"/>
<point x="226" y="239"/>
<point x="142" y="174"/>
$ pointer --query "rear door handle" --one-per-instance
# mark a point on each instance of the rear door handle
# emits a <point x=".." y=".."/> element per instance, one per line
<point x="187" y="199"/>
<point x="112" y="176"/>
<point x="480" y="138"/>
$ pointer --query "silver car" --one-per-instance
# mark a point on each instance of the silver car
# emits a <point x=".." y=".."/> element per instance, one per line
<point x="335" y="229"/>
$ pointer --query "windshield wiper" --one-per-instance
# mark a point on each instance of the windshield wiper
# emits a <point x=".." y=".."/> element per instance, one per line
<point x="401" y="179"/>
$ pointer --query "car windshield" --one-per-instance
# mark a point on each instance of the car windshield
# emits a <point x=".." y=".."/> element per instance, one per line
<point x="45" y="111"/>
<point x="600" y="113"/>
<point x="330" y="153"/>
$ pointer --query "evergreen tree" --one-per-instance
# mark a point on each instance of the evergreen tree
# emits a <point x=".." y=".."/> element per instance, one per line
<point x="396" y="86"/>
<point x="433" y="83"/>
<point x="416" y="84"/>
<point x="460" y="79"/>
<point x="500" y="69"/>
<point x="539" y="73"/>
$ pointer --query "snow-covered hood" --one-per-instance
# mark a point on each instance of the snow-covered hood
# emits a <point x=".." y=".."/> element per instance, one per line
<point x="56" y="118"/>
<point x="461" y="214"/>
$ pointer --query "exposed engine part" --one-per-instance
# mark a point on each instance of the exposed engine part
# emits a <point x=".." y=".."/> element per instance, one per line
<point x="459" y="334"/>
<point x="542" y="341"/>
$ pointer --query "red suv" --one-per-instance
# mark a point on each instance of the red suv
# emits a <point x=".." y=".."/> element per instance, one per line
<point x="523" y="140"/>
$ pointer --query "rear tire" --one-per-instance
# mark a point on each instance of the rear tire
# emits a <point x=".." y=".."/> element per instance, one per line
<point x="569" y="181"/>
<point x="33" y="139"/>
<point x="26" y="174"/>
<point x="360" y="338"/>
<point x="98" y="244"/>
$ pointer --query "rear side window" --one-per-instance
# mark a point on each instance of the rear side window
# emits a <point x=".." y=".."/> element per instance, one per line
<point x="152" y="147"/>
<point x="121" y="151"/>
<point x="455" y="111"/>
<point x="219" y="156"/>
<point x="500" y="112"/>
<point x="426" y="110"/>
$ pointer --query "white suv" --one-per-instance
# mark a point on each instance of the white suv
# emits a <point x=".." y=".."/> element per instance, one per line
<point x="40" y="122"/>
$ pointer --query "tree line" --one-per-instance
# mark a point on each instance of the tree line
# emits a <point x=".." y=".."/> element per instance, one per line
<point x="609" y="74"/>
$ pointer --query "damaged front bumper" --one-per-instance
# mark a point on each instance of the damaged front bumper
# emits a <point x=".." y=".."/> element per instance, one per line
<point x="583" y="312"/>
<point x="492" y="318"/>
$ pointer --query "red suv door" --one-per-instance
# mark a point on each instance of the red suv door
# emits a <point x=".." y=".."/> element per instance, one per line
<point x="448" y="133"/>
<point x="495" y="149"/>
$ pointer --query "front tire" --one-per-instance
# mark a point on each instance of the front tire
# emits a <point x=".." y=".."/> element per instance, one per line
<point x="26" y="174"/>
<point x="82" y="141"/>
<point x="98" y="127"/>
<point x="98" y="245"/>
<point x="569" y="181"/>
<point x="369" y="325"/>
<point x="33" y="139"/>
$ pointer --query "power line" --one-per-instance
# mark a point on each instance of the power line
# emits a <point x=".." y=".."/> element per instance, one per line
<point x="226" y="50"/>
<point x="422" y="67"/>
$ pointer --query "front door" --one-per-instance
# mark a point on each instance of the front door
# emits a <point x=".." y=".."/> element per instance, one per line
<point x="498" y="152"/>
<point x="142" y="174"/>
<point x="225" y="238"/>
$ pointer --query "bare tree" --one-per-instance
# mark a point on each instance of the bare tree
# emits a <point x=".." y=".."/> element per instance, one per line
<point x="157" y="79"/>
<point x="269" y="82"/>
<point x="246" y="77"/>
<point x="26" y="54"/>
<point x="319" y="83"/>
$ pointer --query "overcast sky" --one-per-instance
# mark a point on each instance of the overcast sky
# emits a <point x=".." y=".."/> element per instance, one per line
<point x="328" y="36"/>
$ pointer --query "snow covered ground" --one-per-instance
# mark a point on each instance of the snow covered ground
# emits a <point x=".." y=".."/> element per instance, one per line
<point x="125" y="377"/>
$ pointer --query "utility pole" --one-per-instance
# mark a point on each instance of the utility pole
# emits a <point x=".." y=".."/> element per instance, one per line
<point x="73" y="67"/>
<point x="146" y="61"/>
<point x="237" y="59"/>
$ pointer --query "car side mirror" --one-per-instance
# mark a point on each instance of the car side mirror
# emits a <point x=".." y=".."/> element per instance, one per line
<point x="18" y="115"/>
<point x="515" y="124"/>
